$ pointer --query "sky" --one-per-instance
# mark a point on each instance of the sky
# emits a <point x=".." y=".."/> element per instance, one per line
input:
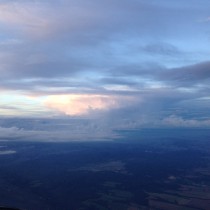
<point x="113" y="64"/>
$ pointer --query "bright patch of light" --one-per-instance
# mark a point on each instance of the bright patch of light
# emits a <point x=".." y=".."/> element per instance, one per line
<point x="80" y="104"/>
<point x="12" y="103"/>
<point x="83" y="104"/>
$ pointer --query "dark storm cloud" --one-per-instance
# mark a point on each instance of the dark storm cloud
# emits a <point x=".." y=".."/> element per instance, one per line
<point x="188" y="75"/>
<point x="191" y="75"/>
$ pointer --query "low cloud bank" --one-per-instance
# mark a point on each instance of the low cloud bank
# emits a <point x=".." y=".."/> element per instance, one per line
<point x="64" y="130"/>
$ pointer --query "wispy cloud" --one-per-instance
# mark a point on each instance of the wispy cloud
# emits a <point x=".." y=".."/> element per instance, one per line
<point x="7" y="152"/>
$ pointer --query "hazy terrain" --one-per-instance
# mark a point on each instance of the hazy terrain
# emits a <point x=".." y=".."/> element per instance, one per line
<point x="146" y="169"/>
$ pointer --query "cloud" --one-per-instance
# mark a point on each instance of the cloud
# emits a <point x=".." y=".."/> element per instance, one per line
<point x="7" y="152"/>
<point x="87" y="36"/>
<point x="84" y="104"/>
<point x="131" y="64"/>
<point x="178" y="121"/>
<point x="54" y="130"/>
<point x="164" y="49"/>
<point x="188" y="75"/>
<point x="26" y="16"/>
<point x="104" y="129"/>
<point x="9" y="132"/>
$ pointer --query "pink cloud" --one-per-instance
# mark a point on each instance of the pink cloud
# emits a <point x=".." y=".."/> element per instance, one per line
<point x="85" y="104"/>
<point x="81" y="104"/>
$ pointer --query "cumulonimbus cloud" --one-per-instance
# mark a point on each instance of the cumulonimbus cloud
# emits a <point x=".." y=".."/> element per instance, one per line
<point x="83" y="104"/>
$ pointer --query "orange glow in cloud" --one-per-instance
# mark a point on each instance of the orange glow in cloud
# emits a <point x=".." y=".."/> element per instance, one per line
<point x="81" y="104"/>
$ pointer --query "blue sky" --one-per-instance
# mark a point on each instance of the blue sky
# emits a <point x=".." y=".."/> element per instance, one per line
<point x="131" y="64"/>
